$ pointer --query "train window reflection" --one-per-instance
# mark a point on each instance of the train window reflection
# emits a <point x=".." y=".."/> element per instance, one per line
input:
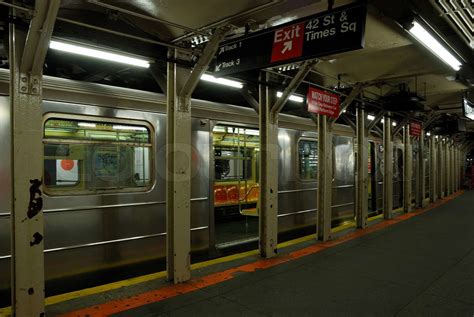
<point x="308" y="159"/>
<point x="82" y="157"/>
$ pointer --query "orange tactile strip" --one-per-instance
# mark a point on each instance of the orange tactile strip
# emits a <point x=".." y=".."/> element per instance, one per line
<point x="173" y="290"/>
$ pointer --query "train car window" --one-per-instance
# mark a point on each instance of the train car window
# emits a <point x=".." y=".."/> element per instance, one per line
<point x="82" y="157"/>
<point x="308" y="159"/>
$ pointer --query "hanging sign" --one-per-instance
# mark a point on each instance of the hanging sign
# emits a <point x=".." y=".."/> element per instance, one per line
<point x="323" y="102"/>
<point x="415" y="129"/>
<point x="334" y="31"/>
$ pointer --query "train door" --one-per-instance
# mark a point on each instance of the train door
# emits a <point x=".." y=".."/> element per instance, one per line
<point x="236" y="188"/>
<point x="414" y="170"/>
<point x="397" y="178"/>
<point x="379" y="168"/>
<point x="427" y="163"/>
<point x="343" y="187"/>
<point x="372" y="180"/>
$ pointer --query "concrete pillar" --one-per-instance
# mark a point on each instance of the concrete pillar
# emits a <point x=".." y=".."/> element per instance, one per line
<point x="388" y="168"/>
<point x="325" y="174"/>
<point x="361" y="170"/>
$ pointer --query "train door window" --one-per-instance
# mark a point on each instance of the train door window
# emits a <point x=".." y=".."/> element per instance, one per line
<point x="83" y="157"/>
<point x="308" y="159"/>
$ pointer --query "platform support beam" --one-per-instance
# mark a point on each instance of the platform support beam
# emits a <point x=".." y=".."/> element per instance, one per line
<point x="27" y="53"/>
<point x="446" y="168"/>
<point x="408" y="170"/>
<point x="421" y="171"/>
<point x="388" y="168"/>
<point x="433" y="170"/>
<point x="361" y="169"/>
<point x="180" y="85"/>
<point x="453" y="167"/>
<point x="268" y="200"/>
<point x="270" y="108"/>
<point x="325" y="175"/>
<point x="439" y="168"/>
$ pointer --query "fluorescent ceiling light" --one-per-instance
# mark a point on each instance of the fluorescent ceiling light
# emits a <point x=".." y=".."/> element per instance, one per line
<point x="222" y="81"/>
<point x="96" y="53"/>
<point x="86" y="124"/>
<point x="370" y="117"/>
<point x="294" y="98"/>
<point x="422" y="35"/>
<point x="127" y="127"/>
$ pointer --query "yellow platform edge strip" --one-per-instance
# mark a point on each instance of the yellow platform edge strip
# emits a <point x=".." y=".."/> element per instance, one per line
<point x="145" y="278"/>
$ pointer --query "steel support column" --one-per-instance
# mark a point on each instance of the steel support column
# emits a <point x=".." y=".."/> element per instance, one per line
<point x="421" y="171"/>
<point x="361" y="169"/>
<point x="388" y="168"/>
<point x="325" y="175"/>
<point x="26" y="57"/>
<point x="433" y="170"/>
<point x="447" y="168"/>
<point x="268" y="213"/>
<point x="270" y="108"/>
<point x="453" y="168"/>
<point x="408" y="169"/>
<point x="180" y="85"/>
<point x="440" y="169"/>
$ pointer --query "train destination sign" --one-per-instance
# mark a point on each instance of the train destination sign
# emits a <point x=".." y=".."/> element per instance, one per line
<point x="334" y="31"/>
<point x="415" y="129"/>
<point x="323" y="102"/>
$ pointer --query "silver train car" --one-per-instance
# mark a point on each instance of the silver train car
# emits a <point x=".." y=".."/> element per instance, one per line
<point x="104" y="184"/>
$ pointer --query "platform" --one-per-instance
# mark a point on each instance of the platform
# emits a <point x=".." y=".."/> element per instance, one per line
<point x="420" y="263"/>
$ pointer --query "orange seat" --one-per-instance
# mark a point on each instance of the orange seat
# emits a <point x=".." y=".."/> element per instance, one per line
<point x="220" y="195"/>
<point x="253" y="193"/>
<point x="243" y="192"/>
<point x="232" y="194"/>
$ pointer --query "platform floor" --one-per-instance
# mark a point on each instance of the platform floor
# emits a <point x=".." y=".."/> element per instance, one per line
<point x="420" y="264"/>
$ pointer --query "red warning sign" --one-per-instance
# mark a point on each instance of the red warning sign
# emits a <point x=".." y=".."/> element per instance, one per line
<point x="415" y="128"/>
<point x="323" y="102"/>
<point x="288" y="42"/>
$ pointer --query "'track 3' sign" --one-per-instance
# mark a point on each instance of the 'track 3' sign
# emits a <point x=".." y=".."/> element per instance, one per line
<point x="335" y="31"/>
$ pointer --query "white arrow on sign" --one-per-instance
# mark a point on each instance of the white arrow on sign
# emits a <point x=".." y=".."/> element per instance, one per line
<point x="287" y="46"/>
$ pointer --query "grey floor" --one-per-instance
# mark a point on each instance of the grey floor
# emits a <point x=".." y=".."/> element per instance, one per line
<point x="421" y="267"/>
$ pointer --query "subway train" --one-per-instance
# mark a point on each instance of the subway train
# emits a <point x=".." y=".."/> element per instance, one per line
<point x="104" y="181"/>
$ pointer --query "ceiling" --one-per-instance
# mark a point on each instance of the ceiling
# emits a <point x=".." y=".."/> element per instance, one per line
<point x="390" y="57"/>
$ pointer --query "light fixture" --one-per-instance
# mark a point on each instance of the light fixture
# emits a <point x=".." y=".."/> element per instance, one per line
<point x="394" y="124"/>
<point x="428" y="133"/>
<point x="128" y="127"/>
<point x="97" y="53"/>
<point x="428" y="40"/>
<point x="222" y="81"/>
<point x="294" y="98"/>
<point x="86" y="125"/>
<point x="370" y="117"/>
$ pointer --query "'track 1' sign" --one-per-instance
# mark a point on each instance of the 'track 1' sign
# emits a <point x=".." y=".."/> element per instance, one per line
<point x="335" y="31"/>
<point x="323" y="102"/>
